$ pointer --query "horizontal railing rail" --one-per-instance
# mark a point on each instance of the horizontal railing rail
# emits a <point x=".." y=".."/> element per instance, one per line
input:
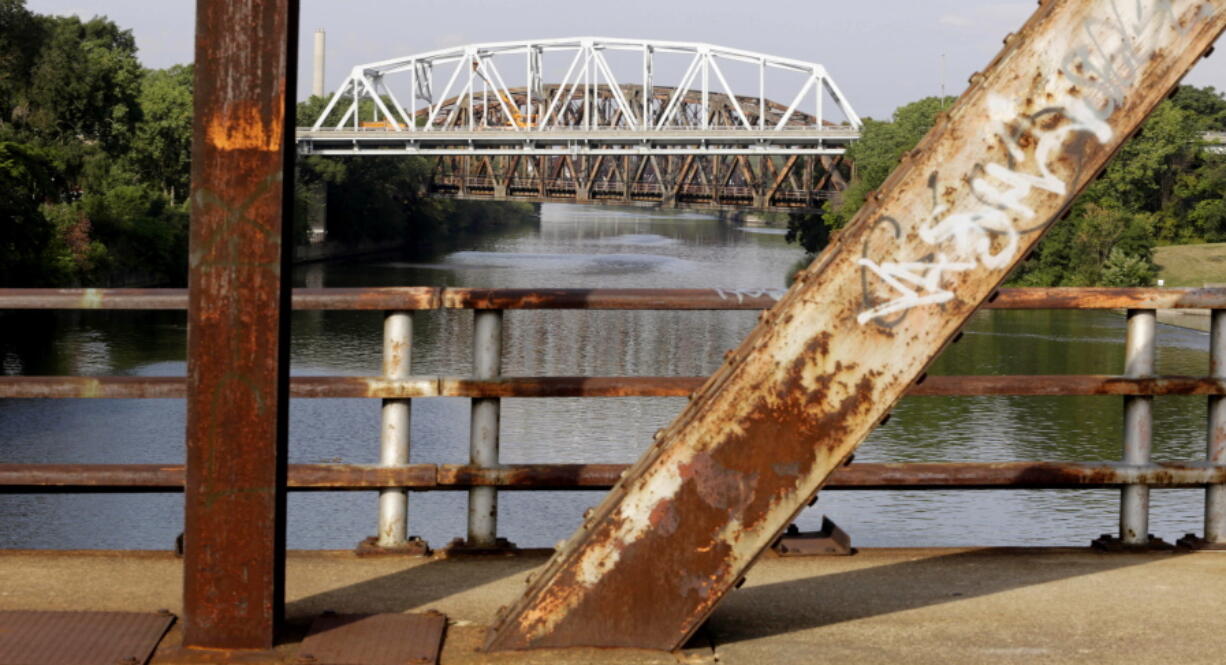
<point x="427" y="477"/>
<point x="484" y="475"/>
<point x="427" y="298"/>
<point x="377" y="387"/>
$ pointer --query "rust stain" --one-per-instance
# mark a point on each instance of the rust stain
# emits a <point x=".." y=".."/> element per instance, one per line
<point x="816" y="375"/>
<point x="246" y="126"/>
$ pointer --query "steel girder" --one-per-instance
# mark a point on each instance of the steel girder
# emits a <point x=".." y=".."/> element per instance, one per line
<point x="835" y="354"/>
<point x="797" y="182"/>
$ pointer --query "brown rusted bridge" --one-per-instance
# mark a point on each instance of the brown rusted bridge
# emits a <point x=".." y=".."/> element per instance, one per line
<point x="681" y="528"/>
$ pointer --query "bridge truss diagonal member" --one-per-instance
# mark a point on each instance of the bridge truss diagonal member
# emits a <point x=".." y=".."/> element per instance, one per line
<point x="831" y="359"/>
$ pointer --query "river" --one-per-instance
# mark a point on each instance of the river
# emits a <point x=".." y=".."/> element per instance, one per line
<point x="587" y="247"/>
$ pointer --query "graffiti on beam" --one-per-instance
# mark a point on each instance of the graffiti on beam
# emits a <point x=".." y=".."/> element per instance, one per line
<point x="742" y="294"/>
<point x="985" y="228"/>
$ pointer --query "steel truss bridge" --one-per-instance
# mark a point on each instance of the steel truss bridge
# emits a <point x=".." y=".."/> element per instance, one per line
<point x="604" y="130"/>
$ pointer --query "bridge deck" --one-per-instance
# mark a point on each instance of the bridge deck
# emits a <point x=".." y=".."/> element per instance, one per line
<point x="502" y="140"/>
<point x="880" y="606"/>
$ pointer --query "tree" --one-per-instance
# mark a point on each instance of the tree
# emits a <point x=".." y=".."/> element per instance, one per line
<point x="163" y="147"/>
<point x="85" y="84"/>
<point x="26" y="181"/>
<point x="880" y="148"/>
<point x="20" y="40"/>
<point x="1206" y="103"/>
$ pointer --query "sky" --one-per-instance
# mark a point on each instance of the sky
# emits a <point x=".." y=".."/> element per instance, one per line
<point x="881" y="53"/>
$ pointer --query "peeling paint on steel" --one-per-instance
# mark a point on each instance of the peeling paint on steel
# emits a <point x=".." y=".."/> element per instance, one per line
<point x="837" y="352"/>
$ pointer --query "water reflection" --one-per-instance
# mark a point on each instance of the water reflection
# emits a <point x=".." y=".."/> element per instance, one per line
<point x="587" y="248"/>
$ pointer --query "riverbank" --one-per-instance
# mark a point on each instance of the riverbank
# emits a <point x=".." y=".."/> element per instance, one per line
<point x="964" y="605"/>
<point x="1190" y="266"/>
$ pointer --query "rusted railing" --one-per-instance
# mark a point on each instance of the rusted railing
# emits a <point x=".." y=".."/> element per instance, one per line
<point x="484" y="475"/>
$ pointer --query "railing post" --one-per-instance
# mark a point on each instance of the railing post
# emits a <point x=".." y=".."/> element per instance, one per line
<point x="483" y="435"/>
<point x="1138" y="425"/>
<point x="394" y="438"/>
<point x="1215" y="495"/>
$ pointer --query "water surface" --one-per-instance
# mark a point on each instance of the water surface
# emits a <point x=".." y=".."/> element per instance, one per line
<point x="586" y="247"/>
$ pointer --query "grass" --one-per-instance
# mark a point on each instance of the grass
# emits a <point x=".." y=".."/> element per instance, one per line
<point x="1192" y="265"/>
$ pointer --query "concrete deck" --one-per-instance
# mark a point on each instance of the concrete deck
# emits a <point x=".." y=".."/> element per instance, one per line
<point x="879" y="606"/>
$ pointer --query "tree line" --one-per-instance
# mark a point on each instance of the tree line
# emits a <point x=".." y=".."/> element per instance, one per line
<point x="1163" y="187"/>
<point x="95" y="158"/>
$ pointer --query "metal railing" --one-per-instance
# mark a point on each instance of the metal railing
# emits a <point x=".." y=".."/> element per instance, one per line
<point x="484" y="475"/>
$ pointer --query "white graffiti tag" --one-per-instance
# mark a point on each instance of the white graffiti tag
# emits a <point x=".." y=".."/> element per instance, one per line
<point x="986" y="228"/>
<point x="742" y="294"/>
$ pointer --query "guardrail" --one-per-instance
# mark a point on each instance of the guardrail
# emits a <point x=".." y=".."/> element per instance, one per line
<point x="484" y="476"/>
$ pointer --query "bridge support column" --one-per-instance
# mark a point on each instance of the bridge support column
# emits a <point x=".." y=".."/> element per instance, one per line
<point x="1138" y="426"/>
<point x="238" y="316"/>
<point x="484" y="429"/>
<point x="1215" y="495"/>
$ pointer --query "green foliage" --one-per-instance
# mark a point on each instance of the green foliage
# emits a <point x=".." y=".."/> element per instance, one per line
<point x="384" y="200"/>
<point x="881" y="146"/>
<point x="85" y="84"/>
<point x="1162" y="187"/>
<point x="1207" y="104"/>
<point x="1122" y="269"/>
<point x="93" y="152"/>
<point x="163" y="147"/>
<point x="26" y="180"/>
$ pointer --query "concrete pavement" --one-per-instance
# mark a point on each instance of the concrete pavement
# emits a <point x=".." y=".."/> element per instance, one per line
<point x="879" y="606"/>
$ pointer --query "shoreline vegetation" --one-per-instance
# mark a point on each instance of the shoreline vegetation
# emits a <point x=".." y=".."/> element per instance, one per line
<point x="95" y="156"/>
<point x="95" y="162"/>
<point x="1163" y="188"/>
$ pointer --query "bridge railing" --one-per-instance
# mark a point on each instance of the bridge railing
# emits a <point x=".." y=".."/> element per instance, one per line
<point x="484" y="476"/>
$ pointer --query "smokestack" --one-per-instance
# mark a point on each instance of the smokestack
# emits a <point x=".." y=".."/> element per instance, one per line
<point x="318" y="88"/>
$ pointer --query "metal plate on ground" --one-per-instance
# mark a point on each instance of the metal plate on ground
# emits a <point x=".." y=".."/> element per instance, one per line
<point x="80" y="638"/>
<point x="374" y="639"/>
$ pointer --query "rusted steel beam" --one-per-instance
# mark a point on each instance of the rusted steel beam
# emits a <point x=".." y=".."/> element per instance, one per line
<point x="425" y="298"/>
<point x="831" y="359"/>
<point x="334" y="387"/>
<point x="89" y="478"/>
<point x="238" y="315"/>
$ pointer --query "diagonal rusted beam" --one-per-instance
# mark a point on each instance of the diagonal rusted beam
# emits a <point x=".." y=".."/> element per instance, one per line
<point x="830" y="360"/>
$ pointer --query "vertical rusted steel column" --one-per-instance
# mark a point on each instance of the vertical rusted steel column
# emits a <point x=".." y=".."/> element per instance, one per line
<point x="397" y="422"/>
<point x="1138" y="425"/>
<point x="1215" y="495"/>
<point x="238" y="339"/>
<point x="484" y="425"/>
<point x="835" y="354"/>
